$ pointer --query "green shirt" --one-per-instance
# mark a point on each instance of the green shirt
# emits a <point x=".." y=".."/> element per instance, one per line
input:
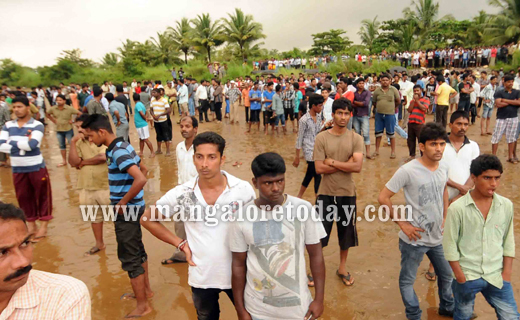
<point x="63" y="117"/>
<point x="480" y="245"/>
<point x="385" y="101"/>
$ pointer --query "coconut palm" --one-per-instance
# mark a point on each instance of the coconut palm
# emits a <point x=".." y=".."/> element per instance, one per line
<point x="206" y="34"/>
<point x="505" y="25"/>
<point x="425" y="13"/>
<point x="181" y="37"/>
<point x="163" y="47"/>
<point x="110" y="59"/>
<point x="369" y="32"/>
<point x="242" y="30"/>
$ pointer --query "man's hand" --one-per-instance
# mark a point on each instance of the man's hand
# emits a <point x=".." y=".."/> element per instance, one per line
<point x="328" y="162"/>
<point x="186" y="249"/>
<point x="118" y="123"/>
<point x="463" y="189"/>
<point x="315" y="310"/>
<point x="244" y="316"/>
<point x="410" y="231"/>
<point x="329" y="123"/>
<point x="296" y="162"/>
<point x="461" y="279"/>
<point x="77" y="137"/>
<point x="506" y="276"/>
<point x="118" y="206"/>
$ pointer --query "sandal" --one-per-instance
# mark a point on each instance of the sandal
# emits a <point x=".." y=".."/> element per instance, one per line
<point x="93" y="251"/>
<point x="310" y="279"/>
<point x="347" y="280"/>
<point x="375" y="154"/>
<point x="430" y="276"/>
<point x="392" y="156"/>
<point x="513" y="160"/>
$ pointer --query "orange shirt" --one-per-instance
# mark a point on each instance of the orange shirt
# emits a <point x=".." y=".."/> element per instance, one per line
<point x="349" y="95"/>
<point x="75" y="101"/>
<point x="245" y="95"/>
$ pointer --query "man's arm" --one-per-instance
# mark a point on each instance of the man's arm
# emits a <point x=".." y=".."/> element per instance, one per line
<point x="138" y="184"/>
<point x="74" y="158"/>
<point x="317" y="265"/>
<point x="509" y="248"/>
<point x="322" y="168"/>
<point x="354" y="164"/>
<point x="116" y="114"/>
<point x="446" y="204"/>
<point x="35" y="137"/>
<point x="450" y="240"/>
<point x="238" y="283"/>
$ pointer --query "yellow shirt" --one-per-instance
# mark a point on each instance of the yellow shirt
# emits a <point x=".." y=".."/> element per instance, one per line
<point x="444" y="91"/>
<point x="91" y="177"/>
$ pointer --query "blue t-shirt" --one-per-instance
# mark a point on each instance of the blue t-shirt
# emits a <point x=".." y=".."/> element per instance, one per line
<point x="254" y="94"/>
<point x="87" y="99"/>
<point x="421" y="83"/>
<point x="268" y="96"/>
<point x="119" y="107"/>
<point x="297" y="100"/>
<point x="138" y="120"/>
<point x="120" y="157"/>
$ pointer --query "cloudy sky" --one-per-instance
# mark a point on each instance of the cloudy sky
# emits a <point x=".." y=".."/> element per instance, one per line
<point x="36" y="31"/>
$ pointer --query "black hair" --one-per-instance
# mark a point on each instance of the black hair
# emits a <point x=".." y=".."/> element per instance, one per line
<point x="492" y="78"/>
<point x="9" y="211"/>
<point x="459" y="114"/>
<point x="315" y="99"/>
<point x="34" y="93"/>
<point x="341" y="103"/>
<point x="270" y="83"/>
<point x="508" y="78"/>
<point x="415" y="78"/>
<point x="143" y="88"/>
<point x="278" y="88"/>
<point x="296" y="86"/>
<point x="119" y="88"/>
<point x="485" y="162"/>
<point x="385" y="75"/>
<point x="22" y="99"/>
<point x="82" y="118"/>
<point x="96" y="122"/>
<point x="84" y="85"/>
<point x="61" y="97"/>
<point x="432" y="131"/>
<point x="136" y="96"/>
<point x="210" y="137"/>
<point x="97" y="91"/>
<point x="417" y="86"/>
<point x="194" y="121"/>
<point x="268" y="164"/>
<point x="109" y="96"/>
<point x="440" y="78"/>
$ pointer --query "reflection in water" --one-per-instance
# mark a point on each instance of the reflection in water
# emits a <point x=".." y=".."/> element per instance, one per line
<point x="375" y="263"/>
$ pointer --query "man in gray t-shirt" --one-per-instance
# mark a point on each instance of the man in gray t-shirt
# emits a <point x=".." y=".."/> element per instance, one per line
<point x="424" y="182"/>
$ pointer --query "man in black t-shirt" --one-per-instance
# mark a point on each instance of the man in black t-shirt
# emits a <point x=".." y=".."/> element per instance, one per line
<point x="507" y="102"/>
<point x="465" y="89"/>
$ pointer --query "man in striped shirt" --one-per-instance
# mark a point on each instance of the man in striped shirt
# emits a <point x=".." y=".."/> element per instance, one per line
<point x="126" y="178"/>
<point x="21" y="138"/>
<point x="33" y="294"/>
<point x="159" y="109"/>
<point x="417" y="108"/>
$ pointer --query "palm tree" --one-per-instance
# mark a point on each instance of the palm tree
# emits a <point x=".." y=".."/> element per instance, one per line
<point x="110" y="59"/>
<point x="369" y="32"/>
<point x="181" y="37"/>
<point x="475" y="33"/>
<point x="163" y="46"/>
<point x="206" y="34"/>
<point x="425" y="13"/>
<point x="407" y="35"/>
<point x="242" y="30"/>
<point x="505" y="25"/>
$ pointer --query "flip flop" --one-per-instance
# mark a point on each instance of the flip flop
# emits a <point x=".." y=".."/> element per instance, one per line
<point x="171" y="260"/>
<point x="392" y="156"/>
<point x="430" y="276"/>
<point x="93" y="251"/>
<point x="127" y="296"/>
<point x="512" y="160"/>
<point x="345" y="278"/>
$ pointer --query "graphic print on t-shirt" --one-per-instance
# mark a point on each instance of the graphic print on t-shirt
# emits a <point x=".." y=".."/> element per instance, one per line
<point x="428" y="196"/>
<point x="279" y="260"/>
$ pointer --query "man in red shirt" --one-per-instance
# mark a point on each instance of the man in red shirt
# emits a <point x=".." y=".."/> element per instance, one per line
<point x="493" y="56"/>
<point x="342" y="90"/>
<point x="417" y="108"/>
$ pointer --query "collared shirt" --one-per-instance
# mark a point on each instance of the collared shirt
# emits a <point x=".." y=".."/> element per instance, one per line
<point x="49" y="296"/>
<point x="120" y="157"/>
<point x="233" y="94"/>
<point x="202" y="93"/>
<point x="288" y="99"/>
<point x="364" y="97"/>
<point x="25" y="153"/>
<point x="95" y="107"/>
<point x="120" y="108"/>
<point x="307" y="132"/>
<point x="208" y="241"/>
<point x="91" y="177"/>
<point x="444" y="91"/>
<point x="488" y="93"/>
<point x="417" y="115"/>
<point x="171" y="91"/>
<point x="459" y="162"/>
<point x="385" y="101"/>
<point x="63" y="117"/>
<point x="185" y="167"/>
<point x="182" y="95"/>
<point x="480" y="245"/>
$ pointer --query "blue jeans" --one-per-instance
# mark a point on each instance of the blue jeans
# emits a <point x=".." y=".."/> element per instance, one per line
<point x="362" y="125"/>
<point x="400" y="131"/>
<point x="464" y="105"/>
<point x="227" y="106"/>
<point x="280" y="117"/>
<point x="411" y="257"/>
<point x="191" y="106"/>
<point x="502" y="300"/>
<point x="62" y="135"/>
<point x="385" y="122"/>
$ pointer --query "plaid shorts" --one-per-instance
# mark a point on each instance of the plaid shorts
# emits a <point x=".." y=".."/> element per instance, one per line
<point x="508" y="126"/>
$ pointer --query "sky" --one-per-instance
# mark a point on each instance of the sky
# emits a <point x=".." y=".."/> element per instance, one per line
<point x="35" y="32"/>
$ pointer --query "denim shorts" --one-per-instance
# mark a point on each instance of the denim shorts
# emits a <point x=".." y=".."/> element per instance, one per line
<point x="280" y="117"/>
<point x="62" y="135"/>
<point x="487" y="112"/>
<point x="385" y="122"/>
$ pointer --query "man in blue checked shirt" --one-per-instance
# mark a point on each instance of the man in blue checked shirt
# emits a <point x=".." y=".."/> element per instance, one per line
<point x="126" y="178"/>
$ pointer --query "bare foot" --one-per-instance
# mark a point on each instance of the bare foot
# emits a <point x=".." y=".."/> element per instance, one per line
<point x="61" y="164"/>
<point x="168" y="153"/>
<point x="158" y="152"/>
<point x="140" y="154"/>
<point x="131" y="295"/>
<point x="138" y="312"/>
<point x="152" y="155"/>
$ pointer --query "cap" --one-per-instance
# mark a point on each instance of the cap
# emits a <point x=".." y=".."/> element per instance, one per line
<point x="232" y="81"/>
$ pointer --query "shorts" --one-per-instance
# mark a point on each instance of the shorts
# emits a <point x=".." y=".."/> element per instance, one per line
<point x="487" y="112"/>
<point x="130" y="247"/>
<point x="385" y="122"/>
<point x="95" y="197"/>
<point x="143" y="133"/>
<point x="454" y="99"/>
<point x="289" y="114"/>
<point x="267" y="117"/>
<point x="184" y="107"/>
<point x="280" y="117"/>
<point x="163" y="131"/>
<point x="518" y="131"/>
<point x="508" y="126"/>
<point x="347" y="230"/>
<point x="255" y="116"/>
<point x="62" y="135"/>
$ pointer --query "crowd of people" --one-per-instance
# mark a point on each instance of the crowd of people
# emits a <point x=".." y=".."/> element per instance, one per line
<point x="449" y="185"/>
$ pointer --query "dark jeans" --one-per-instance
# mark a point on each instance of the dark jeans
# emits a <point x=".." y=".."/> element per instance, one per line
<point x="414" y="129"/>
<point x="204" y="106"/>
<point x="311" y="174"/>
<point x="441" y="115"/>
<point x="411" y="257"/>
<point x="464" y="105"/>
<point x="130" y="247"/>
<point x="206" y="302"/>
<point x="473" y="112"/>
<point x="502" y="300"/>
<point x="218" y="110"/>
<point x="247" y="114"/>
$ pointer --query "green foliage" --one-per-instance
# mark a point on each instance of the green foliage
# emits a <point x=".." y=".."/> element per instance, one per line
<point x="504" y="26"/>
<point x="10" y="70"/>
<point x="369" y="32"/>
<point x="331" y="41"/>
<point x="241" y="30"/>
<point x="180" y="36"/>
<point x="206" y="34"/>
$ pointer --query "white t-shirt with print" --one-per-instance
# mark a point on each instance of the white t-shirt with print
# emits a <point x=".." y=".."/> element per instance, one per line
<point x="276" y="280"/>
<point x="209" y="244"/>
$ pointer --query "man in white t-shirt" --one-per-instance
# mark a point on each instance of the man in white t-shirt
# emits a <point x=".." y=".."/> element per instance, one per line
<point x="207" y="202"/>
<point x="473" y="98"/>
<point x="186" y="171"/>
<point x="268" y="269"/>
